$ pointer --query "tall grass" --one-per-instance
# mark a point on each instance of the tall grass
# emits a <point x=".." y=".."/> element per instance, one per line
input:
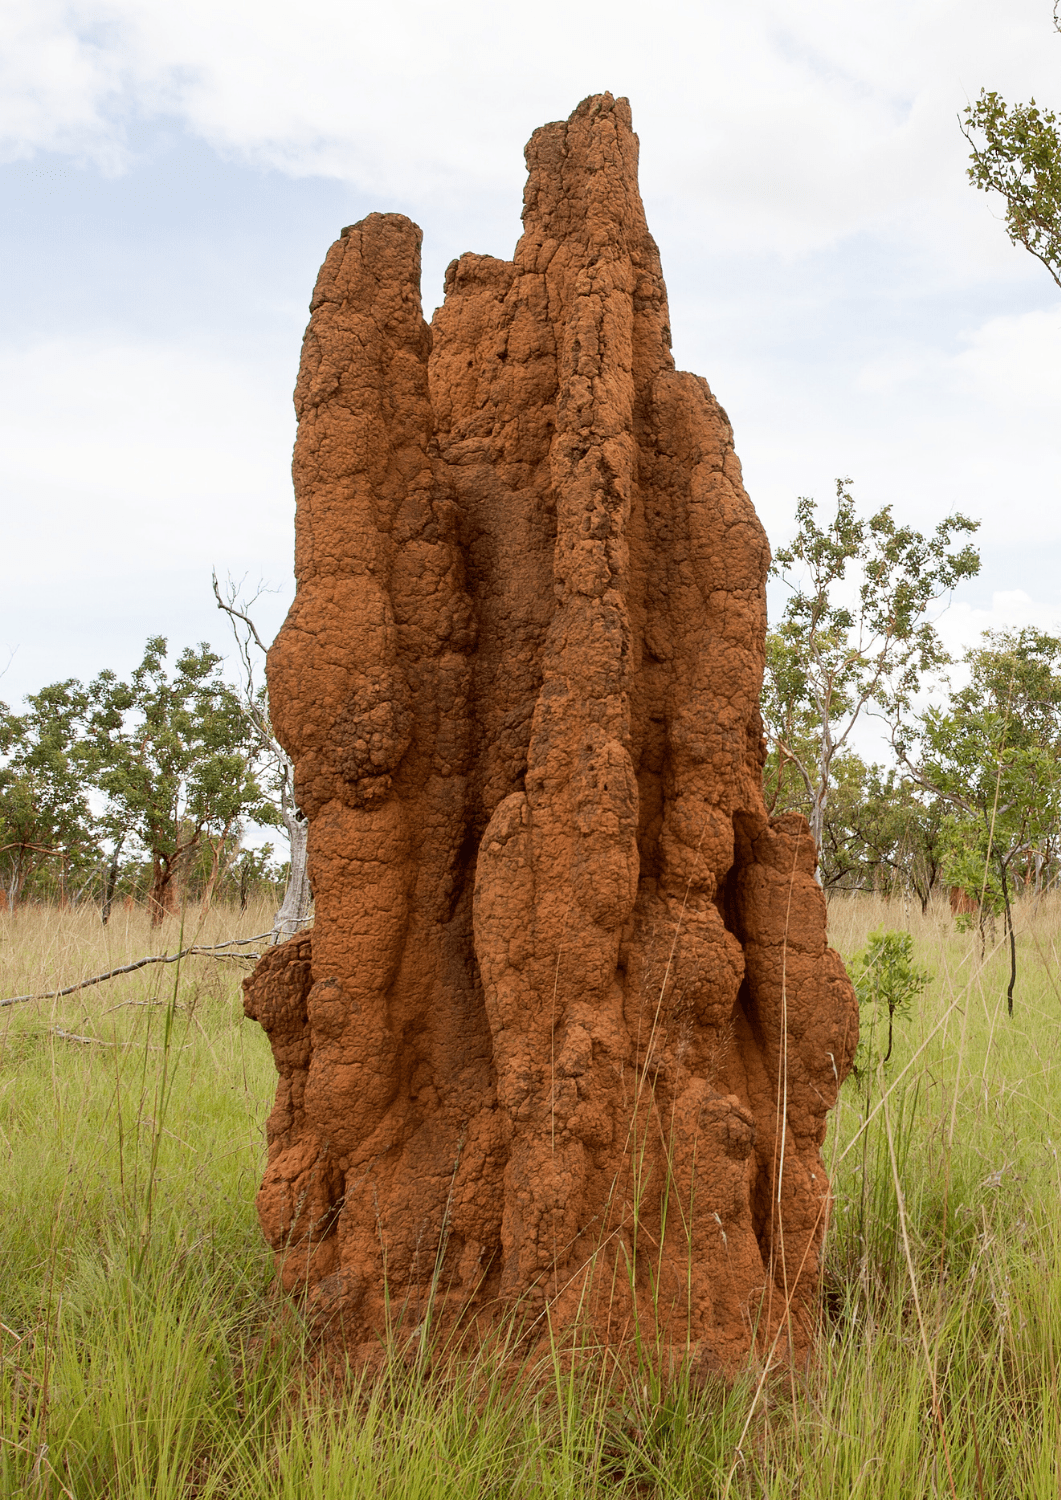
<point x="145" y="1352"/>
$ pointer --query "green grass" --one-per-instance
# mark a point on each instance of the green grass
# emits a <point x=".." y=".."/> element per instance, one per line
<point x="145" y="1351"/>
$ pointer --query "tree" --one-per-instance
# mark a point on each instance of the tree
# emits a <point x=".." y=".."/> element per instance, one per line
<point x="994" y="754"/>
<point x="45" y="821"/>
<point x="253" y="870"/>
<point x="881" y="831"/>
<point x="904" y="829"/>
<point x="885" y="977"/>
<point x="173" y="756"/>
<point x="1017" y="152"/>
<point x="855" y="633"/>
<point x="294" y="909"/>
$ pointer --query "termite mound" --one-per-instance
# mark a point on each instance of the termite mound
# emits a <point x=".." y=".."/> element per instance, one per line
<point x="566" y="1031"/>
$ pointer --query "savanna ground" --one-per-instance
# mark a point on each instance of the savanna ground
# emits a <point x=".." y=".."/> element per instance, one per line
<point x="145" y="1353"/>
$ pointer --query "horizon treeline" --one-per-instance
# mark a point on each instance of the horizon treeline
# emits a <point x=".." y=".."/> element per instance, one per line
<point x="141" y="788"/>
<point x="157" y="807"/>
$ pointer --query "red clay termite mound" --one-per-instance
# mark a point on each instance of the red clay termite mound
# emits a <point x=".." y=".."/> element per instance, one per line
<point x="565" y="1034"/>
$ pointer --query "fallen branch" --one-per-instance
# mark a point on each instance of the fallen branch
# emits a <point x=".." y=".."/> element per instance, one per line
<point x="95" y="1041"/>
<point x="162" y="958"/>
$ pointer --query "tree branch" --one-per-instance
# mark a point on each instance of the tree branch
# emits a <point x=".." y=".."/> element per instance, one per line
<point x="230" y="609"/>
<point x="140" y="963"/>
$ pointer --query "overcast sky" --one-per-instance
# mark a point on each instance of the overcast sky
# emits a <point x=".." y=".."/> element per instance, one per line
<point x="173" y="175"/>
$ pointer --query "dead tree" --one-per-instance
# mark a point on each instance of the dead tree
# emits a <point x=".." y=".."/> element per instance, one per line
<point x="293" y="913"/>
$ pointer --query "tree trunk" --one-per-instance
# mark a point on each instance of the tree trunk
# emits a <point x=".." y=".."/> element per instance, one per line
<point x="817" y="824"/>
<point x="1012" y="938"/>
<point x="161" y="898"/>
<point x="216" y="850"/>
<point x="112" y="881"/>
<point x="19" y="876"/>
<point x="294" y="909"/>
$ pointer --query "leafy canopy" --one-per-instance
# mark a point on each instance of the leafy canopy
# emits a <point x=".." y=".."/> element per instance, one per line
<point x="1017" y="152"/>
<point x="173" y="755"/>
<point x="855" y="631"/>
<point x="44" y="811"/>
<point x="885" y="977"/>
<point x="994" y="753"/>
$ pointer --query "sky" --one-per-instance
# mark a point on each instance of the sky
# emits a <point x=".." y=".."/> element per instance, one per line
<point x="172" y="176"/>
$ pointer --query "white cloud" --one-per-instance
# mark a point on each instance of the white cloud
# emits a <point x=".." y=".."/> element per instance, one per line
<point x="179" y="448"/>
<point x="128" y="471"/>
<point x="854" y="303"/>
<point x="55" y="83"/>
<point x="790" y="127"/>
<point x="1015" y="363"/>
<point x="963" y="626"/>
<point x="988" y="413"/>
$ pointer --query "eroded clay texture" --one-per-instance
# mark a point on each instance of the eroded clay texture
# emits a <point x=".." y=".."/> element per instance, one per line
<point x="565" y="1034"/>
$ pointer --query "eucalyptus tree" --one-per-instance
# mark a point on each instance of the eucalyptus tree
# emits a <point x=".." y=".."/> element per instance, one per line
<point x="1017" y="153"/>
<point x="856" y="633"/>
<point x="293" y="912"/>
<point x="46" y="826"/>
<point x="993" y="752"/>
<point x="882" y="832"/>
<point x="172" y="754"/>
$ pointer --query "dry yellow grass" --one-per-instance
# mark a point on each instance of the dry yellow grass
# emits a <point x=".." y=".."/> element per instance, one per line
<point x="47" y="948"/>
